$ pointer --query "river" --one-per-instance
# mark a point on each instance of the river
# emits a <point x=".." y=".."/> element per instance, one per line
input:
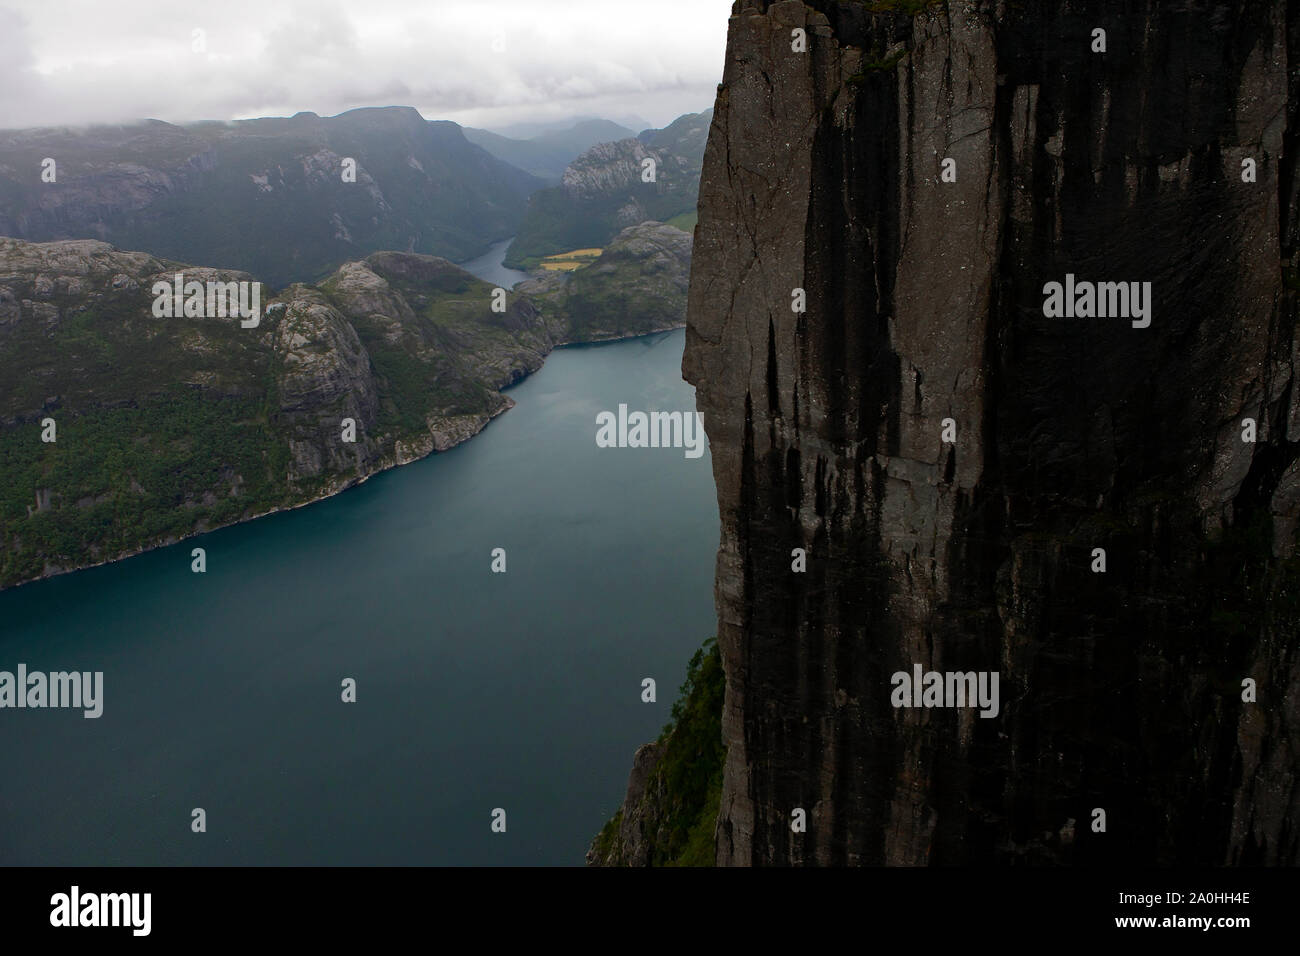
<point x="489" y="268"/>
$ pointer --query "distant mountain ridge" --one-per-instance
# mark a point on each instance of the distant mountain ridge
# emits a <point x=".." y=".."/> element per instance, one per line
<point x="266" y="196"/>
<point x="603" y="191"/>
<point x="548" y="154"/>
<point x="534" y="129"/>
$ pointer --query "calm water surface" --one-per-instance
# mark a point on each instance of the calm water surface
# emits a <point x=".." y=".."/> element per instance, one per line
<point x="488" y="267"/>
<point x="475" y="690"/>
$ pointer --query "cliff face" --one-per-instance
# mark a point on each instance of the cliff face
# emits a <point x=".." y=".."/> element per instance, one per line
<point x="1120" y="690"/>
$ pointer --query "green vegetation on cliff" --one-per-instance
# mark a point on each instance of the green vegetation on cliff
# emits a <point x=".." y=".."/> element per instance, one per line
<point x="691" y="767"/>
<point x="671" y="821"/>
<point x="685" y="221"/>
<point x="125" y="476"/>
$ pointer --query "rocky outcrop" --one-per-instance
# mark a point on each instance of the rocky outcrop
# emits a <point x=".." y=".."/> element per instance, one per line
<point x="624" y="841"/>
<point x="638" y="285"/>
<point x="325" y="377"/>
<point x="950" y="457"/>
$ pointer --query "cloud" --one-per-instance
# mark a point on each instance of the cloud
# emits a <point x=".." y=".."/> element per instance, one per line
<point x="16" y="79"/>
<point x="475" y="61"/>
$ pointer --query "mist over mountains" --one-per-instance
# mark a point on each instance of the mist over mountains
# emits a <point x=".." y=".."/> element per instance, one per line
<point x="265" y="196"/>
<point x="270" y="197"/>
<point x="372" y="322"/>
<point x="547" y="154"/>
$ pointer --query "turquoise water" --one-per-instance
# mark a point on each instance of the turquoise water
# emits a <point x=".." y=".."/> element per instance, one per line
<point x="474" y="690"/>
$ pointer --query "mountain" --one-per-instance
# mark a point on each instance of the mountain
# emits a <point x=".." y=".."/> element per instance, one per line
<point x="265" y="196"/>
<point x="1100" y="511"/>
<point x="167" y="427"/>
<point x="547" y="154"/>
<point x="531" y="130"/>
<point x="603" y="191"/>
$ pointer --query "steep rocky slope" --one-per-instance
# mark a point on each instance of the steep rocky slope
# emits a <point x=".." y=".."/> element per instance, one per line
<point x="164" y="427"/>
<point x="267" y="196"/>
<point x="1121" y="690"/>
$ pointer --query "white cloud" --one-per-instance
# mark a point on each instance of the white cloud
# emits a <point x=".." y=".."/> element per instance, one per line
<point x="479" y="62"/>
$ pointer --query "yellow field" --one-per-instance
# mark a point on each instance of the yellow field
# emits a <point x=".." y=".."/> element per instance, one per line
<point x="568" y="261"/>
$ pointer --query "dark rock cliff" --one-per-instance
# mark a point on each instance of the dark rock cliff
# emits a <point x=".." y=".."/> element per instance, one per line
<point x="1121" y="690"/>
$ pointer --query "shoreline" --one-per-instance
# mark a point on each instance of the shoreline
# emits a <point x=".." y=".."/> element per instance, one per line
<point x="404" y="453"/>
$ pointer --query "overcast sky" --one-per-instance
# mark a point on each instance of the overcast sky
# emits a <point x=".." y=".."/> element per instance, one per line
<point x="486" y="63"/>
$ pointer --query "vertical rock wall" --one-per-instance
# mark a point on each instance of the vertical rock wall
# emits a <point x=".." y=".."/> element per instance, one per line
<point x="924" y="303"/>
